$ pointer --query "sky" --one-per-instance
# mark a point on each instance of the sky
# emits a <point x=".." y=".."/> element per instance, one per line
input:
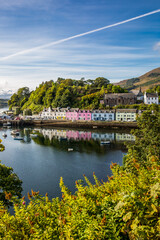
<point x="121" y="52"/>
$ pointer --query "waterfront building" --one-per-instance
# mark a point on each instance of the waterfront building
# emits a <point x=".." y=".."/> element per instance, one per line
<point x="126" y="115"/>
<point x="113" y="99"/>
<point x="48" y="113"/>
<point x="75" y="114"/>
<point x="61" y="113"/>
<point x="84" y="115"/>
<point x="103" y="115"/>
<point x="72" y="114"/>
<point x="16" y="110"/>
<point x="150" y="98"/>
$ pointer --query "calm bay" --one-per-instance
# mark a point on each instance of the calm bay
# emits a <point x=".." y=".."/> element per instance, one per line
<point x="40" y="161"/>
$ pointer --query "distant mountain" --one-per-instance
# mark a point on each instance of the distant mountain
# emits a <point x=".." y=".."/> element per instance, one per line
<point x="6" y="94"/>
<point x="145" y="81"/>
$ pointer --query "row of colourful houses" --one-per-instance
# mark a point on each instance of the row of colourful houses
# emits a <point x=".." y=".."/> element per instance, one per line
<point x="75" y="114"/>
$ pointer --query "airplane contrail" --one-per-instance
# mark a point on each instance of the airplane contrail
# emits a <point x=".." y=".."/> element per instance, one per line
<point x="77" y="36"/>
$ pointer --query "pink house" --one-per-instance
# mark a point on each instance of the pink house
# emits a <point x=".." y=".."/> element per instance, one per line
<point x="75" y="114"/>
<point x="84" y="115"/>
<point x="72" y="114"/>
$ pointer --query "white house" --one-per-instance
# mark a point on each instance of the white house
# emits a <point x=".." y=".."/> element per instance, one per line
<point x="103" y="115"/>
<point x="126" y="115"/>
<point x="150" y="98"/>
<point x="48" y="113"/>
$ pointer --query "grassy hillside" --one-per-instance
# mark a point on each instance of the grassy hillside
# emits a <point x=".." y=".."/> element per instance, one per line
<point x="146" y="81"/>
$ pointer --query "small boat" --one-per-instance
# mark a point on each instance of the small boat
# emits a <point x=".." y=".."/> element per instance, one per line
<point x="18" y="138"/>
<point x="15" y="132"/>
<point x="70" y="149"/>
<point x="105" y="142"/>
<point x="4" y="135"/>
<point x="33" y="135"/>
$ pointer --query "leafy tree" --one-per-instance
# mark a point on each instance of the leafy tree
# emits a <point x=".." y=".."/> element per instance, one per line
<point x="10" y="185"/>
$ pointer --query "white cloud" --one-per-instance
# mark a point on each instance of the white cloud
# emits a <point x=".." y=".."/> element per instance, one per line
<point x="33" y="4"/>
<point x="76" y="60"/>
<point x="157" y="46"/>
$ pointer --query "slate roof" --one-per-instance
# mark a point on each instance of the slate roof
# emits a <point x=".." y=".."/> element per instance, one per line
<point x="149" y="95"/>
<point x="116" y="95"/>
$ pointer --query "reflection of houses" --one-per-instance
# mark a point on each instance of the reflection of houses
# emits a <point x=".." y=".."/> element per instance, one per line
<point x="50" y="133"/>
<point x="126" y="114"/>
<point x="124" y="137"/>
<point x="78" y="135"/>
<point x="113" y="99"/>
<point x="103" y="115"/>
<point x="103" y="136"/>
<point x="150" y="98"/>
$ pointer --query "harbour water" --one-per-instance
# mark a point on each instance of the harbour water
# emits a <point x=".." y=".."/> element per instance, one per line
<point x="40" y="161"/>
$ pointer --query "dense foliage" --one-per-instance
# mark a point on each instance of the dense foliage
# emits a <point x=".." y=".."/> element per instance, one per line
<point x="141" y="106"/>
<point x="19" y="98"/>
<point x="64" y="93"/>
<point x="10" y="185"/>
<point x="125" y="207"/>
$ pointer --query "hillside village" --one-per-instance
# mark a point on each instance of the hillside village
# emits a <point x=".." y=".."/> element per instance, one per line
<point x="110" y="113"/>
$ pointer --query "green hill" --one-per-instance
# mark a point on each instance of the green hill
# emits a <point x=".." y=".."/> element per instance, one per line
<point x="146" y="81"/>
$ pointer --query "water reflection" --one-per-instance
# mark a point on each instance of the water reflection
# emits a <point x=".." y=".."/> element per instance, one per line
<point x="83" y="141"/>
<point x="41" y="161"/>
<point x="77" y="140"/>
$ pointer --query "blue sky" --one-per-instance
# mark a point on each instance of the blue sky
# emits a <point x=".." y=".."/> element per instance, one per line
<point x="118" y="53"/>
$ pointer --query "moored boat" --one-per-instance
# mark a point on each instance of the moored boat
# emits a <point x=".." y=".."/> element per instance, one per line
<point x="70" y="149"/>
<point x="15" y="132"/>
<point x="33" y="135"/>
<point x="105" y="142"/>
<point x="18" y="138"/>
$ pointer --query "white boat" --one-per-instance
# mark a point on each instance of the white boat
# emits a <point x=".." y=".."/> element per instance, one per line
<point x="18" y="138"/>
<point x="105" y="142"/>
<point x="70" y="149"/>
<point x="15" y="132"/>
<point x="33" y="135"/>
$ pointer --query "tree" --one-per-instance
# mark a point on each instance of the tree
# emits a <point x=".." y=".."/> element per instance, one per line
<point x="10" y="185"/>
<point x="101" y="81"/>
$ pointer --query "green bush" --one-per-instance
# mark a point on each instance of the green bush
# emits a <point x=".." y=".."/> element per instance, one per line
<point x="124" y="207"/>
